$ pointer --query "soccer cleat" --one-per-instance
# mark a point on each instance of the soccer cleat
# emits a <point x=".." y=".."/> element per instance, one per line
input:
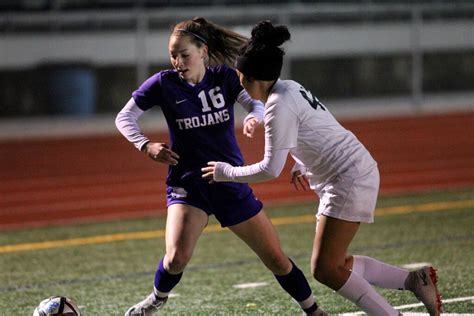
<point x="423" y="283"/>
<point x="147" y="307"/>
<point x="318" y="312"/>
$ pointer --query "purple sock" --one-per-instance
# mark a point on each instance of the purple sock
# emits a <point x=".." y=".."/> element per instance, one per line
<point x="165" y="281"/>
<point x="295" y="284"/>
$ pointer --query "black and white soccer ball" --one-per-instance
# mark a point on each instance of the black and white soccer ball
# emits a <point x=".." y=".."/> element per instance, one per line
<point x="57" y="306"/>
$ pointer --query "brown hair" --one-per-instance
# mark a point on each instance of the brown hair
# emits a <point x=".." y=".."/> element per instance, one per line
<point x="223" y="44"/>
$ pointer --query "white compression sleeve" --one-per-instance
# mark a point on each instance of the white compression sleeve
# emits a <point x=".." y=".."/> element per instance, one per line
<point x="127" y="123"/>
<point x="253" y="107"/>
<point x="269" y="168"/>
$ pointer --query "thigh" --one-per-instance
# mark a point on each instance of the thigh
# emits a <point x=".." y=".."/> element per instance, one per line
<point x="261" y="236"/>
<point x="184" y="225"/>
<point x="332" y="240"/>
<point x="233" y="203"/>
<point x="329" y="263"/>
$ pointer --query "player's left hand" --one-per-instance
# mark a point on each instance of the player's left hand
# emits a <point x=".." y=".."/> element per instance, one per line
<point x="299" y="181"/>
<point x="208" y="172"/>
<point x="249" y="127"/>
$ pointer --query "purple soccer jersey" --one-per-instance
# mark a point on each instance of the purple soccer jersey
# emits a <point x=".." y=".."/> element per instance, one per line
<point x="200" y="118"/>
<point x="200" y="121"/>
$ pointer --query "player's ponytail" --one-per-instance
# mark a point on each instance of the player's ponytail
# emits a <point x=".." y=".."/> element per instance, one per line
<point x="262" y="57"/>
<point x="223" y="44"/>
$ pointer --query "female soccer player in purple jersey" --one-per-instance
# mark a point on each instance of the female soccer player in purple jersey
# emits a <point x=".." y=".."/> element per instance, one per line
<point x="197" y="102"/>
<point x="339" y="168"/>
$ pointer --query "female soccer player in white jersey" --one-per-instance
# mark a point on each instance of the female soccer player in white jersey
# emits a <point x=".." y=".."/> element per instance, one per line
<point x="197" y="101"/>
<point x="339" y="169"/>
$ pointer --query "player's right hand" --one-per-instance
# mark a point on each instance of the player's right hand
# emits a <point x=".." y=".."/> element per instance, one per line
<point x="299" y="181"/>
<point x="249" y="127"/>
<point x="160" y="152"/>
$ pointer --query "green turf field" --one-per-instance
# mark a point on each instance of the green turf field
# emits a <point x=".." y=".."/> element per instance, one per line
<point x="106" y="267"/>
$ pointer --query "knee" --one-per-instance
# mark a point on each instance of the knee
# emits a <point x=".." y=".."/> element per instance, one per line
<point x="279" y="264"/>
<point x="326" y="274"/>
<point x="321" y="275"/>
<point x="177" y="261"/>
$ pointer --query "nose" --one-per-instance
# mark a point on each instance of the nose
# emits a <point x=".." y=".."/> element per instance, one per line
<point x="177" y="62"/>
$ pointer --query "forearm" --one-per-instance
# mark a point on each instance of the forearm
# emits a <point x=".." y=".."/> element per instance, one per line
<point x="253" y="107"/>
<point x="247" y="174"/>
<point x="269" y="168"/>
<point x="127" y="123"/>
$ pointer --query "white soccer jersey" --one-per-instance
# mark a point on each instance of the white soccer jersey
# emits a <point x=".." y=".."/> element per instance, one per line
<point x="298" y="123"/>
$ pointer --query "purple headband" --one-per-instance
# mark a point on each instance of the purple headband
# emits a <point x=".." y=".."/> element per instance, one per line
<point x="199" y="37"/>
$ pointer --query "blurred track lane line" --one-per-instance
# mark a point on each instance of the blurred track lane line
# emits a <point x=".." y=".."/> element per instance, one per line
<point x="289" y="220"/>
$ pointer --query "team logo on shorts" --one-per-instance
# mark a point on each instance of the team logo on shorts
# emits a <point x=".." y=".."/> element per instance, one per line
<point x="178" y="193"/>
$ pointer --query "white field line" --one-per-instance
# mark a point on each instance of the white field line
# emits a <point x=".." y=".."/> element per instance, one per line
<point x="416" y="265"/>
<point x="443" y="314"/>
<point x="445" y="301"/>
<point x="250" y="285"/>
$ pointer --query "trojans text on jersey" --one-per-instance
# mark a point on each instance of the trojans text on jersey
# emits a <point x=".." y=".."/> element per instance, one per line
<point x="207" y="119"/>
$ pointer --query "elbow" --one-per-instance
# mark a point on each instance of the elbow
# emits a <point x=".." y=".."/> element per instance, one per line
<point x="120" y="120"/>
<point x="271" y="174"/>
<point x="117" y="120"/>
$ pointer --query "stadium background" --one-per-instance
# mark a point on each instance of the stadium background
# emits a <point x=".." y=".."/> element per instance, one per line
<point x="397" y="73"/>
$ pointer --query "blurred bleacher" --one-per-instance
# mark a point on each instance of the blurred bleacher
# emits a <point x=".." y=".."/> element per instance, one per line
<point x="352" y="54"/>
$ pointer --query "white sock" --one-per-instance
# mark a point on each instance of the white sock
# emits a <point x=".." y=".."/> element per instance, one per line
<point x="307" y="303"/>
<point x="359" y="291"/>
<point x="160" y="295"/>
<point x="379" y="273"/>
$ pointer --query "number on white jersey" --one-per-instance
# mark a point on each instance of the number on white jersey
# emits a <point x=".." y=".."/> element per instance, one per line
<point x="313" y="101"/>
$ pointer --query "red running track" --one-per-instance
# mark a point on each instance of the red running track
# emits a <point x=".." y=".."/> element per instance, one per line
<point x="83" y="179"/>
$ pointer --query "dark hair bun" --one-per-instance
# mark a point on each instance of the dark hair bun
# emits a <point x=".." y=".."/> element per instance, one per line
<point x="199" y="20"/>
<point x="268" y="34"/>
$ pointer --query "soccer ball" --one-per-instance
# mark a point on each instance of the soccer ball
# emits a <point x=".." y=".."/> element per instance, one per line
<point x="57" y="306"/>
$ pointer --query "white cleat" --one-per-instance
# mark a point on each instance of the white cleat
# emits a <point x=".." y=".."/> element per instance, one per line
<point x="423" y="283"/>
<point x="147" y="307"/>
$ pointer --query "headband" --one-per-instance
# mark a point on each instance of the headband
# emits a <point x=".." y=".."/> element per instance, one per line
<point x="199" y="37"/>
<point x="260" y="67"/>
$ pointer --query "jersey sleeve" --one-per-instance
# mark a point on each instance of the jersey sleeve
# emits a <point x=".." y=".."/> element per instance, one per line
<point x="281" y="129"/>
<point x="232" y="81"/>
<point x="149" y="93"/>
<point x="281" y="126"/>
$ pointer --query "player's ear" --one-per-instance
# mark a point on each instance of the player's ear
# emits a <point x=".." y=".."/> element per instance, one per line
<point x="205" y="52"/>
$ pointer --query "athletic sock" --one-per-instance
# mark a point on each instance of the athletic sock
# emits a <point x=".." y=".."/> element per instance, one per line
<point x="165" y="281"/>
<point x="379" y="273"/>
<point x="295" y="284"/>
<point x="359" y="291"/>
